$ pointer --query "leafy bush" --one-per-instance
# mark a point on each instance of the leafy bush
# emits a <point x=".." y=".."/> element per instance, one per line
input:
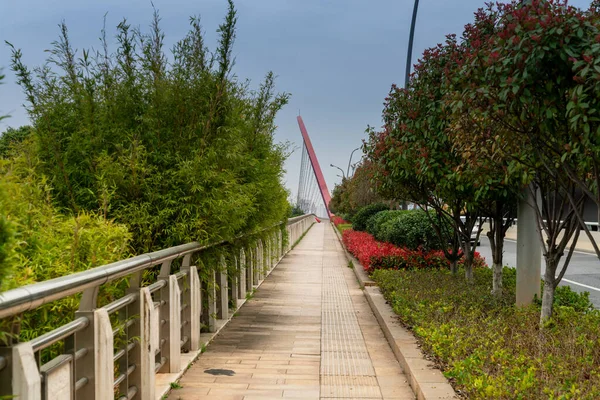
<point x="376" y="222"/>
<point x="5" y="246"/>
<point x="172" y="144"/>
<point x="359" y="221"/>
<point x="387" y="223"/>
<point x="11" y="138"/>
<point x="491" y="349"/>
<point x="45" y="244"/>
<point x="412" y="229"/>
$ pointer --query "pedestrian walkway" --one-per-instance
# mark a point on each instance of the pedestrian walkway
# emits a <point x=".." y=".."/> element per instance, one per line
<point x="308" y="333"/>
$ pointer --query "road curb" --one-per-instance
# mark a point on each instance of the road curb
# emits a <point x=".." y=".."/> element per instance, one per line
<point x="427" y="382"/>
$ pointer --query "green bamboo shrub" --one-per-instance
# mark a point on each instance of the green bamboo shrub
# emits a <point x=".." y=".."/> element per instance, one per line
<point x="38" y="242"/>
<point x="10" y="138"/>
<point x="174" y="146"/>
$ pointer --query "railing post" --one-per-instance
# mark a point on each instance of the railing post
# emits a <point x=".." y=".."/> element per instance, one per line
<point x="25" y="380"/>
<point x="274" y="252"/>
<point x="270" y="253"/>
<point x="233" y="283"/>
<point x="143" y="354"/>
<point x="281" y="249"/>
<point x="242" y="271"/>
<point x="223" y="309"/>
<point x="97" y="365"/>
<point x="261" y="261"/>
<point x="193" y="312"/>
<point x="279" y="244"/>
<point x="171" y="329"/>
<point x="211" y="294"/>
<point x="254" y="261"/>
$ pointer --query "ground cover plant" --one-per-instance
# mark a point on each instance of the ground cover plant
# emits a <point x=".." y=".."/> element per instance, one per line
<point x="491" y="349"/>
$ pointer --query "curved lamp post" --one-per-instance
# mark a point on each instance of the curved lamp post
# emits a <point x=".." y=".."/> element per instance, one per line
<point x="350" y="161"/>
<point x="410" y="43"/>
<point x="335" y="166"/>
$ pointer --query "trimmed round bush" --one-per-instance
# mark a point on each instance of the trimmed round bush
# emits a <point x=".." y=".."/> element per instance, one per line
<point x="412" y="230"/>
<point x="359" y="221"/>
<point x="377" y="224"/>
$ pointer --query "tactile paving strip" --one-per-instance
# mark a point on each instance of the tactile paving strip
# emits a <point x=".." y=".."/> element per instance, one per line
<point x="346" y="368"/>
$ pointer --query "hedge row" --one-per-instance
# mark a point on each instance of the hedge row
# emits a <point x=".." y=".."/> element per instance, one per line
<point x="411" y="229"/>
<point x="374" y="255"/>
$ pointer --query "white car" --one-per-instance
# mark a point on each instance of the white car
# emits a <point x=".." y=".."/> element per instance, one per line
<point x="474" y="234"/>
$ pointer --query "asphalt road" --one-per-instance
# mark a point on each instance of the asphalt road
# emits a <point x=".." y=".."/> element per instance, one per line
<point x="583" y="272"/>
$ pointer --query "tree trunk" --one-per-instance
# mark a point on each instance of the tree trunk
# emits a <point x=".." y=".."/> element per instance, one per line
<point x="497" y="279"/>
<point x="468" y="264"/>
<point x="454" y="267"/>
<point x="496" y="237"/>
<point x="549" y="286"/>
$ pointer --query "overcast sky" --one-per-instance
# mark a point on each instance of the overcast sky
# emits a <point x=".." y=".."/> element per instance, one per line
<point x="337" y="58"/>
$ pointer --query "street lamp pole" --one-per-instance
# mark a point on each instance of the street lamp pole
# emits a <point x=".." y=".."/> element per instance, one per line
<point x="410" y="43"/>
<point x="411" y="38"/>
<point x="335" y="166"/>
<point x="350" y="161"/>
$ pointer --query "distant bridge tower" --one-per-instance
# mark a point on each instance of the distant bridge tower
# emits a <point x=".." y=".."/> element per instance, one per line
<point x="313" y="195"/>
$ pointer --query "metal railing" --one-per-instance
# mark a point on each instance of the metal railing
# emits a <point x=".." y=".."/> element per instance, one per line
<point x="114" y="351"/>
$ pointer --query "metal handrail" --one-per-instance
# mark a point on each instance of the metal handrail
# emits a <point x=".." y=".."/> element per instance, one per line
<point x="48" y="339"/>
<point x="28" y="297"/>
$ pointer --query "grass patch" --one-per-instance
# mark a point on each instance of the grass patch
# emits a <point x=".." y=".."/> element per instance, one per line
<point x="342" y="227"/>
<point x="490" y="349"/>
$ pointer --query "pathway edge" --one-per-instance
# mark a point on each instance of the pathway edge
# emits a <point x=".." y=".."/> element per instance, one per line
<point x="427" y="382"/>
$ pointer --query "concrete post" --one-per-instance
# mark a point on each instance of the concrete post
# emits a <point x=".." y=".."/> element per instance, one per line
<point x="143" y="377"/>
<point x="261" y="259"/>
<point x="234" y="283"/>
<point x="270" y="252"/>
<point x="193" y="312"/>
<point x="171" y="331"/>
<point x="26" y="382"/>
<point x="97" y="364"/>
<point x="242" y="268"/>
<point x="222" y="295"/>
<point x="212" y="302"/>
<point x="529" y="251"/>
<point x="250" y="271"/>
<point x="255" y="266"/>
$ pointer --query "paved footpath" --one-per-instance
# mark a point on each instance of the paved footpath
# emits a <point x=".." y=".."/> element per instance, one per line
<point x="308" y="333"/>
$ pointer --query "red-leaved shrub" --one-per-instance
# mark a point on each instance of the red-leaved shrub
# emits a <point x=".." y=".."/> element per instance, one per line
<point x="380" y="255"/>
<point x="338" y="220"/>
